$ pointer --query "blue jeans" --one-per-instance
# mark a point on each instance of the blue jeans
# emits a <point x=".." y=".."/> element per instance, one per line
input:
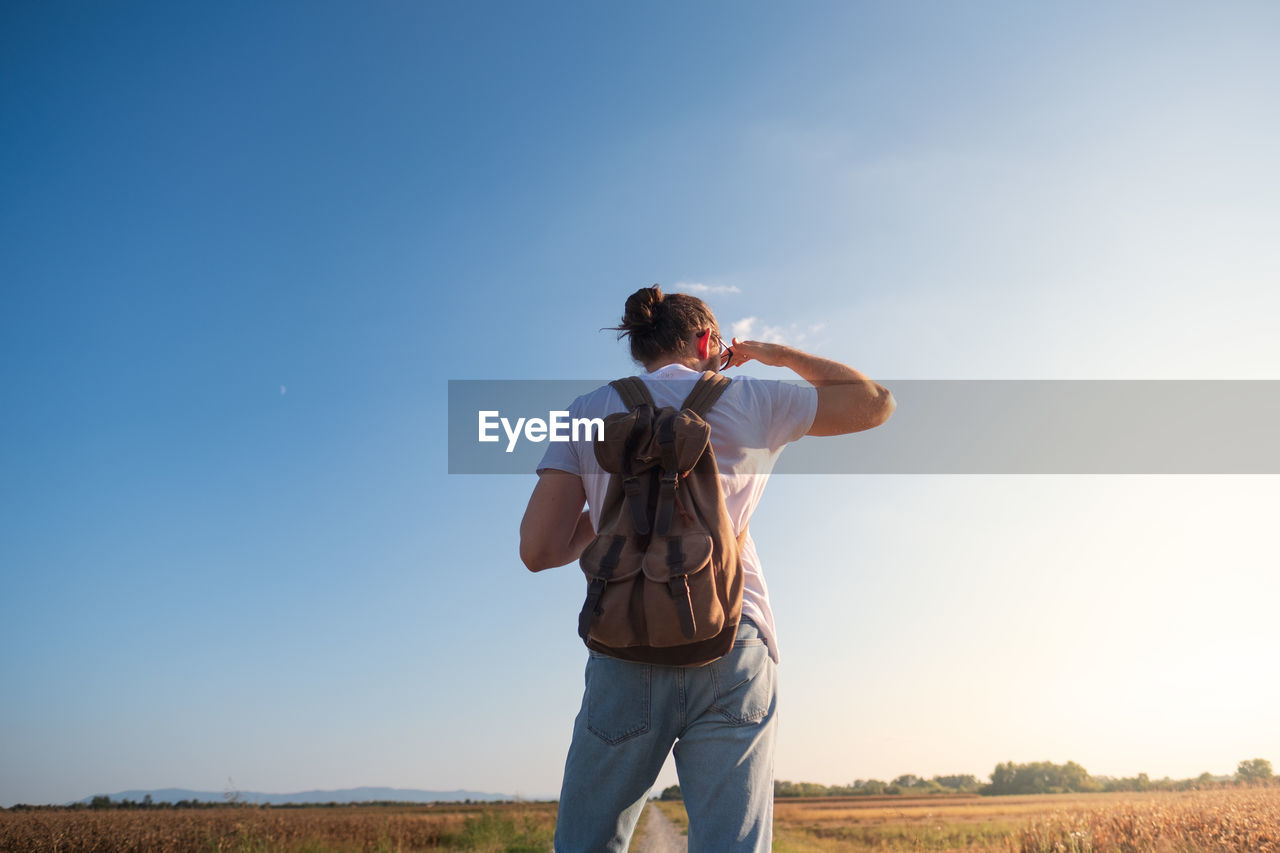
<point x="721" y="720"/>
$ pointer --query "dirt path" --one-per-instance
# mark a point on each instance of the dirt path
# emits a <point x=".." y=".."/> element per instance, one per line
<point x="661" y="835"/>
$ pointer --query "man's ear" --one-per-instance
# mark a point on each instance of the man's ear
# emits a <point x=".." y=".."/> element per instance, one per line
<point x="704" y="344"/>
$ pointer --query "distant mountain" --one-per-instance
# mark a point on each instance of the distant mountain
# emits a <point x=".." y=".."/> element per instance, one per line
<point x="346" y="795"/>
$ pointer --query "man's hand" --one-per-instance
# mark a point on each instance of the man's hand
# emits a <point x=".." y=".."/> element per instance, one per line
<point x="847" y="400"/>
<point x="744" y="351"/>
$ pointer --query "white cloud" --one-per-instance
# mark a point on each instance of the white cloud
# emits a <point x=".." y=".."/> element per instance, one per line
<point x="792" y="334"/>
<point x="700" y="288"/>
<point x="780" y="335"/>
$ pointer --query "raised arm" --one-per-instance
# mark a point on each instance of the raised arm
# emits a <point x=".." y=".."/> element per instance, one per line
<point x="847" y="400"/>
<point x="555" y="529"/>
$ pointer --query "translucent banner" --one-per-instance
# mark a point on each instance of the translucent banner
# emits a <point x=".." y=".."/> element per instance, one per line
<point x="941" y="427"/>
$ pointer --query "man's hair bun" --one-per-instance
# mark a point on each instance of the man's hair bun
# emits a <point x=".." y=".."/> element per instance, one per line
<point x="641" y="311"/>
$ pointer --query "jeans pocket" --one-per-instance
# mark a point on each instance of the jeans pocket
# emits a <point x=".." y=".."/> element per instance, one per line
<point x="617" y="698"/>
<point x="744" y="683"/>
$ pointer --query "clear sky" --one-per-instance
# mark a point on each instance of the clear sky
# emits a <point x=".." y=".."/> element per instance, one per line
<point x="243" y="247"/>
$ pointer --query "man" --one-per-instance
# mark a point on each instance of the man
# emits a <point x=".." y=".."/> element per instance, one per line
<point x="720" y="718"/>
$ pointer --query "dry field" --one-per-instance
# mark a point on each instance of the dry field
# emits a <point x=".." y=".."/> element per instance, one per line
<point x="346" y="829"/>
<point x="1243" y="820"/>
<point x="1235" y="820"/>
<point x="896" y="823"/>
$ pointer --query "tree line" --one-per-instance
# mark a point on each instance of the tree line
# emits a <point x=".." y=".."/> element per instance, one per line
<point x="1045" y="777"/>
<point x="1037" y="777"/>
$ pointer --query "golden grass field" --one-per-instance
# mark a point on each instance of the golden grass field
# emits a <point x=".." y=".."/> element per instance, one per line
<point x="1240" y="820"/>
<point x="247" y="829"/>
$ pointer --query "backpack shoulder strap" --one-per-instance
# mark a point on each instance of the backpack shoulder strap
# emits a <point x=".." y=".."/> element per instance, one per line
<point x="633" y="392"/>
<point x="639" y="402"/>
<point x="706" y="392"/>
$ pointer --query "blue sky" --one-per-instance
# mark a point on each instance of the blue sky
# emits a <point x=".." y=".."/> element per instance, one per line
<point x="245" y="246"/>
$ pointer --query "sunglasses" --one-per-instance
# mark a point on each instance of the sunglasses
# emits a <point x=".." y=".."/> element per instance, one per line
<point x="704" y="345"/>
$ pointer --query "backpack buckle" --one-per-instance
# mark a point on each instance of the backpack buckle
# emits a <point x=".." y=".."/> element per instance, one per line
<point x="679" y="587"/>
<point x="635" y="504"/>
<point x="666" y="502"/>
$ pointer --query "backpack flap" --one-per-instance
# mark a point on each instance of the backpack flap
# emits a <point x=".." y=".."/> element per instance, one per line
<point x="607" y="559"/>
<point x="623" y="431"/>
<point x="678" y="442"/>
<point x="677" y="568"/>
<point x="611" y="558"/>
<point x="677" y="556"/>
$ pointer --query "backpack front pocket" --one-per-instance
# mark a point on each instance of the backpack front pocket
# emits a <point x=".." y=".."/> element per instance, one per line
<point x="678" y="574"/>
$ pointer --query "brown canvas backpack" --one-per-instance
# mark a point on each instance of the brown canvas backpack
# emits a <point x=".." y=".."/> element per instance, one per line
<point x="664" y="573"/>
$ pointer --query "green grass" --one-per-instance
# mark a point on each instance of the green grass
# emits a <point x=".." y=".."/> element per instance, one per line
<point x="502" y="832"/>
<point x="674" y="810"/>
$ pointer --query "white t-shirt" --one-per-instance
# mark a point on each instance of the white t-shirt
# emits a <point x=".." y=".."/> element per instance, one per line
<point x="750" y="424"/>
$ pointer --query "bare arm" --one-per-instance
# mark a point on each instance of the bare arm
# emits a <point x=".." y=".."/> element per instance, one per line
<point x="555" y="529"/>
<point x="847" y="400"/>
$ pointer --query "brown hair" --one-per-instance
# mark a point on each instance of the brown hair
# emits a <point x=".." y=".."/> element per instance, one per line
<point x="659" y="323"/>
